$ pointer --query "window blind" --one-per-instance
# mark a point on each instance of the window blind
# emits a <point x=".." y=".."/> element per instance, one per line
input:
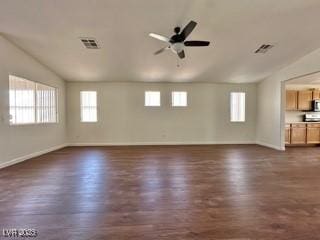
<point x="46" y="104"/>
<point x="179" y="99"/>
<point x="31" y="102"/>
<point x="152" y="99"/>
<point x="237" y="106"/>
<point x="88" y="106"/>
<point x="22" y="100"/>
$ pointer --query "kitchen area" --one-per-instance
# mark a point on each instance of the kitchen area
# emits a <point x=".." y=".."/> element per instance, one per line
<point x="302" y="114"/>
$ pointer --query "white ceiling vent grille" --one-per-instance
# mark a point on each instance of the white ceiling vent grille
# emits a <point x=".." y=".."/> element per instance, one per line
<point x="264" y="48"/>
<point x="90" y="43"/>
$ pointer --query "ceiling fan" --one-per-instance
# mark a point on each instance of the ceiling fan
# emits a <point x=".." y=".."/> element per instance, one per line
<point x="178" y="41"/>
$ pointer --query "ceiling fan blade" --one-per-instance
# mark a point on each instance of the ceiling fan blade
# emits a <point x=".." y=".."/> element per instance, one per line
<point x="196" y="43"/>
<point x="160" y="50"/>
<point x="188" y="29"/>
<point x="159" y="37"/>
<point x="181" y="54"/>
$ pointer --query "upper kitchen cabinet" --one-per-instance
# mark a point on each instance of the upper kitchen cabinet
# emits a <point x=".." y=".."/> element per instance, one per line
<point x="301" y="100"/>
<point x="316" y="94"/>
<point x="305" y="100"/>
<point x="291" y="100"/>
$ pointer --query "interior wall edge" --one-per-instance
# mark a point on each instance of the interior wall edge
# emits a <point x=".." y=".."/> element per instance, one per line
<point x="5" y="37"/>
<point x="280" y="148"/>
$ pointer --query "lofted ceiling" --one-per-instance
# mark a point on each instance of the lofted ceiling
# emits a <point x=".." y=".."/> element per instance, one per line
<point x="50" y="30"/>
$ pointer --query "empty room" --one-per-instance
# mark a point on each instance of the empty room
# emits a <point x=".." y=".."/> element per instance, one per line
<point x="171" y="119"/>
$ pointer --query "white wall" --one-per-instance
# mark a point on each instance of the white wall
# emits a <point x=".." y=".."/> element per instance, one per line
<point x="123" y="119"/>
<point x="268" y="113"/>
<point x="16" y="142"/>
<point x="271" y="100"/>
<point x="294" y="116"/>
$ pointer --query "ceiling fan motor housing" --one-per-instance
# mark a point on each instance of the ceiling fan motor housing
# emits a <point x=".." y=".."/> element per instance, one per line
<point x="177" y="30"/>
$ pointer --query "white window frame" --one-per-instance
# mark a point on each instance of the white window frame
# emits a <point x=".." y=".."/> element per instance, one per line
<point x="82" y="120"/>
<point x="35" y="110"/>
<point x="148" y="100"/>
<point x="237" y="107"/>
<point x="181" y="94"/>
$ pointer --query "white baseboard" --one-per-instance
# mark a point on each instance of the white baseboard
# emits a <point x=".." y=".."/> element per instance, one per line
<point x="83" y="144"/>
<point x="270" y="146"/>
<point x="32" y="155"/>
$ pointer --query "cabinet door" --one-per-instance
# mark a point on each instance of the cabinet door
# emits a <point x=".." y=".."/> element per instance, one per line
<point x="313" y="133"/>
<point x="288" y="132"/>
<point x="291" y="99"/>
<point x="305" y="100"/>
<point x="316" y="94"/>
<point x="298" y="134"/>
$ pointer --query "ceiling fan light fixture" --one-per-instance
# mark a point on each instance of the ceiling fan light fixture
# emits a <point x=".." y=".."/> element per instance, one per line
<point x="177" y="47"/>
<point x="178" y="42"/>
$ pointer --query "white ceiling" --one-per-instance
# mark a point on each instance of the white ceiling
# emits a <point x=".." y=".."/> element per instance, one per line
<point x="50" y="30"/>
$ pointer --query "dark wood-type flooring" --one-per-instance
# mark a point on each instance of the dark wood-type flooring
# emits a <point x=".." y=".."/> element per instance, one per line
<point x="165" y="192"/>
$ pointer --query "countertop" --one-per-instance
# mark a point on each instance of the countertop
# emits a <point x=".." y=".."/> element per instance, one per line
<point x="302" y="122"/>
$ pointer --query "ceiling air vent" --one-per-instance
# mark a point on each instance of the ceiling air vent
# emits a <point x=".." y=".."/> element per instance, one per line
<point x="90" y="43"/>
<point x="264" y="48"/>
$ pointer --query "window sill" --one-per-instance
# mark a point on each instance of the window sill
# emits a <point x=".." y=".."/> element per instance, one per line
<point x="32" y="124"/>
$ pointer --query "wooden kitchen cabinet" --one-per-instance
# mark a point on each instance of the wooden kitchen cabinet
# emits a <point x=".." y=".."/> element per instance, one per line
<point x="302" y="133"/>
<point x="316" y="94"/>
<point x="313" y="133"/>
<point x="291" y="100"/>
<point x="301" y="100"/>
<point x="298" y="133"/>
<point x="288" y="133"/>
<point x="305" y="100"/>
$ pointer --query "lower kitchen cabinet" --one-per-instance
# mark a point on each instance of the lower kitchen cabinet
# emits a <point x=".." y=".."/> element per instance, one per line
<point x="313" y="133"/>
<point x="302" y="133"/>
<point x="298" y="133"/>
<point x="288" y="133"/>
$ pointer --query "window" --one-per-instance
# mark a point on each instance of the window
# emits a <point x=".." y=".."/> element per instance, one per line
<point x="46" y="104"/>
<point x="152" y="99"/>
<point x="31" y="102"/>
<point x="88" y="101"/>
<point x="179" y="99"/>
<point x="237" y="106"/>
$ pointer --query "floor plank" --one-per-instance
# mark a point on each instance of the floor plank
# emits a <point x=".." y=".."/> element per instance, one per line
<point x="165" y="192"/>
